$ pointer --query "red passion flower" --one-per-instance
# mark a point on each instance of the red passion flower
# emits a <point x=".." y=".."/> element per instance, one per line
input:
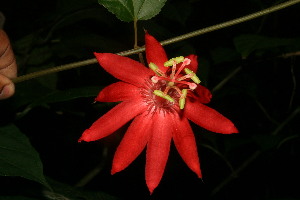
<point x="160" y="100"/>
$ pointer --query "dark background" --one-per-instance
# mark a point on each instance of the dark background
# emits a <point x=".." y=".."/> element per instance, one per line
<point x="262" y="98"/>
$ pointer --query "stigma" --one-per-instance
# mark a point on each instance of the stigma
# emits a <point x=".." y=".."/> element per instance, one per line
<point x="175" y="80"/>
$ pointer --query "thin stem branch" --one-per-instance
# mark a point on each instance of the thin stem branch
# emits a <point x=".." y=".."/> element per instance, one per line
<point x="136" y="41"/>
<point x="264" y="110"/>
<point x="54" y="70"/>
<point x="294" y="81"/>
<point x="286" y="121"/>
<point x="226" y="79"/>
<point x="94" y="172"/>
<point x="221" y="156"/>
<point x="135" y="33"/>
<point x="292" y="54"/>
<point x="165" y="42"/>
<point x="231" y="22"/>
<point x="234" y="174"/>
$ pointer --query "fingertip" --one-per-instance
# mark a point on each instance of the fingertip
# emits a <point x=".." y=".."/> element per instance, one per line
<point x="7" y="91"/>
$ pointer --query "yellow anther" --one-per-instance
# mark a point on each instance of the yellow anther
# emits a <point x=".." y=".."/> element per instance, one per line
<point x="163" y="95"/>
<point x="169" y="63"/>
<point x="184" y="93"/>
<point x="182" y="98"/>
<point x="154" y="68"/>
<point x="177" y="60"/>
<point x="194" y="77"/>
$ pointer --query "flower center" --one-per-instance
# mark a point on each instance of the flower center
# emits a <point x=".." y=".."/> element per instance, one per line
<point x="173" y="85"/>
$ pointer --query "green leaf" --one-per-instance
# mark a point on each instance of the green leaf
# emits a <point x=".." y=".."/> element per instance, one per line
<point x="129" y="10"/>
<point x="18" y="157"/>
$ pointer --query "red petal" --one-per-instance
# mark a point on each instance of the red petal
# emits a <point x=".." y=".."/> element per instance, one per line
<point x="185" y="143"/>
<point x="208" y="118"/>
<point x="155" y="53"/>
<point x="158" y="149"/>
<point x="194" y="62"/>
<point x="112" y="120"/>
<point x="133" y="142"/>
<point x="119" y="91"/>
<point x="124" y="68"/>
<point x="203" y="94"/>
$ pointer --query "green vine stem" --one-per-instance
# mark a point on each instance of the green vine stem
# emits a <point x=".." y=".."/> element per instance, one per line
<point x="165" y="42"/>
<point x="135" y="34"/>
<point x="135" y="27"/>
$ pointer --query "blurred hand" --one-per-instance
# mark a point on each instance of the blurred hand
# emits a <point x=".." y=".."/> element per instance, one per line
<point x="8" y="67"/>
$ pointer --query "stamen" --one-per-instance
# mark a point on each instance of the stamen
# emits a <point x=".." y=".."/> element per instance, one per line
<point x="178" y="90"/>
<point x="171" y="84"/>
<point x="185" y="63"/>
<point x="194" y="76"/>
<point x="161" y="78"/>
<point x="155" y="68"/>
<point x="192" y="86"/>
<point x="167" y="90"/>
<point x="173" y="71"/>
<point x="174" y="81"/>
<point x="163" y="95"/>
<point x="182" y="98"/>
<point x="154" y="79"/>
<point x="184" y="77"/>
<point x="177" y="60"/>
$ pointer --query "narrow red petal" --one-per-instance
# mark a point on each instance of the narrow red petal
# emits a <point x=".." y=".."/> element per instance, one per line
<point x="202" y="94"/>
<point x="124" y="68"/>
<point x="185" y="143"/>
<point x="155" y="53"/>
<point x="158" y="149"/>
<point x="194" y="62"/>
<point x="208" y="118"/>
<point x="112" y="120"/>
<point x="119" y="91"/>
<point x="133" y="142"/>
